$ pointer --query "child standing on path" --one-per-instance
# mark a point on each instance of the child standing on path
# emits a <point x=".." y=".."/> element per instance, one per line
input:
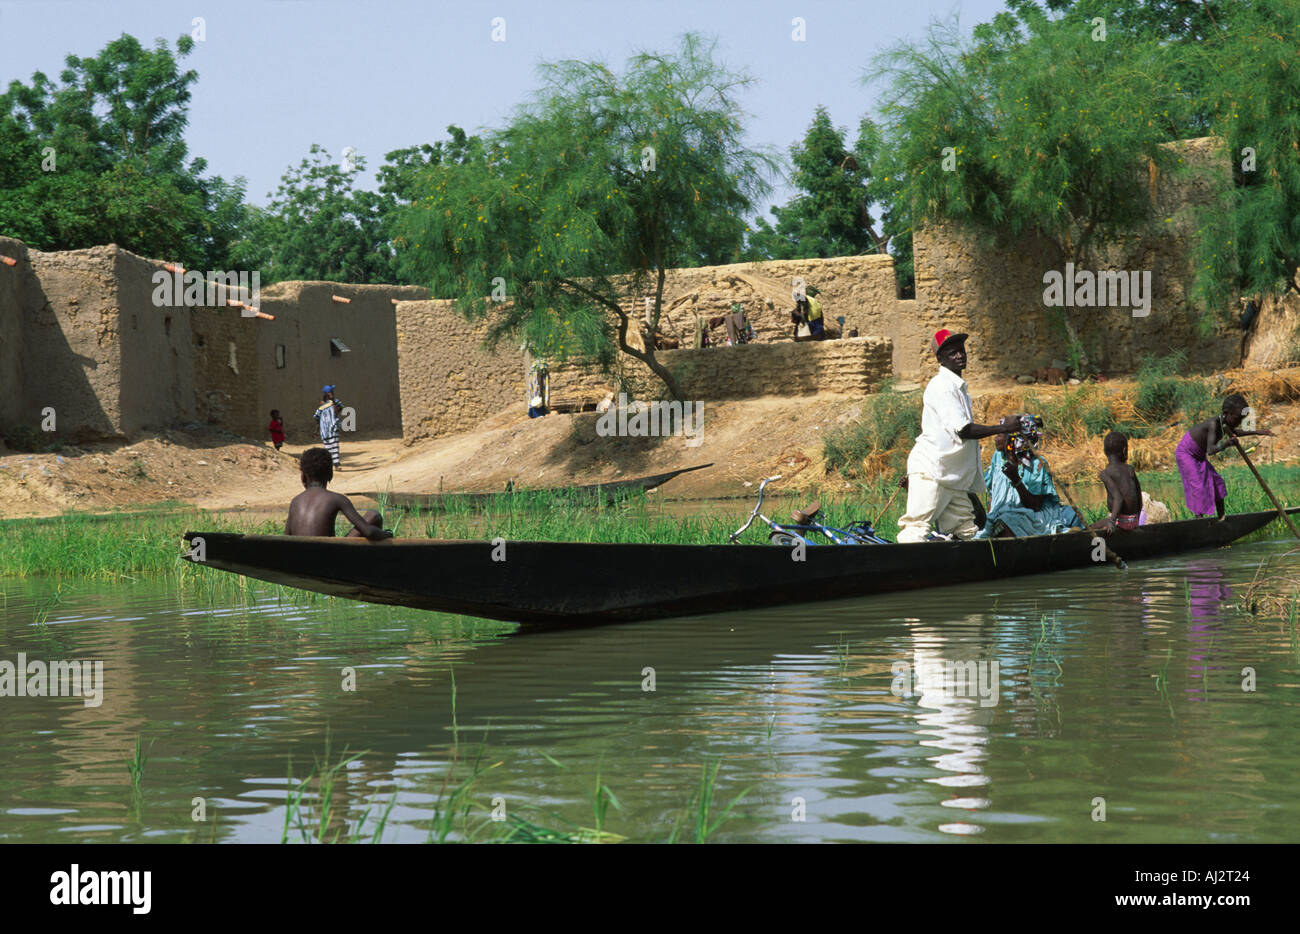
<point x="1203" y="488"/>
<point x="276" y="428"/>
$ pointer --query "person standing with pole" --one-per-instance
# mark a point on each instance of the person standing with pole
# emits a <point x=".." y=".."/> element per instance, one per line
<point x="944" y="466"/>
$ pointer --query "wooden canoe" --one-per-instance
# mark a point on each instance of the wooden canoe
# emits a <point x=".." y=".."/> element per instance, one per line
<point x="578" y="583"/>
<point x="590" y="493"/>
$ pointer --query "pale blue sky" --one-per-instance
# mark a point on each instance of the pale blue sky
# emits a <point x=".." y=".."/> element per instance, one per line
<point x="276" y="76"/>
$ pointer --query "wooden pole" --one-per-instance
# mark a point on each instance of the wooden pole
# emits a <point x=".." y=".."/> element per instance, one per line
<point x="1280" y="511"/>
<point x="889" y="502"/>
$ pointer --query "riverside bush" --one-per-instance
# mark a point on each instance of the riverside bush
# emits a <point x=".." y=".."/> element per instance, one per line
<point x="889" y="420"/>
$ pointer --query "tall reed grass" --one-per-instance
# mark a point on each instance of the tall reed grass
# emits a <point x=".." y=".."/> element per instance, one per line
<point x="149" y="546"/>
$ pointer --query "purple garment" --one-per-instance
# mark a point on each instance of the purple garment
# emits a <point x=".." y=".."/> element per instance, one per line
<point x="1202" y="484"/>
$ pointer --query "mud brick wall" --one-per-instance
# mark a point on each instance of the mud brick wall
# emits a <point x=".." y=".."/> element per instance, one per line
<point x="15" y="282"/>
<point x="449" y="382"/>
<point x="97" y="349"/>
<point x="306" y="319"/>
<point x="226" y="373"/>
<point x="862" y="289"/>
<point x="853" y="366"/>
<point x="995" y="293"/>
<point x="157" y="357"/>
<point x="71" y="343"/>
<point x="845" y="367"/>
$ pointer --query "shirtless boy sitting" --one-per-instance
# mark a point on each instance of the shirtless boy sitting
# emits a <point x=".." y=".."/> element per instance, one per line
<point x="1123" y="490"/>
<point x="312" y="511"/>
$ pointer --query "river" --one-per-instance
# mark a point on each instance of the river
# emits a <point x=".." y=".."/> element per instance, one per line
<point x="1090" y="706"/>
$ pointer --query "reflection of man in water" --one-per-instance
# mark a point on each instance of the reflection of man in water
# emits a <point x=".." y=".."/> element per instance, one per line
<point x="958" y="683"/>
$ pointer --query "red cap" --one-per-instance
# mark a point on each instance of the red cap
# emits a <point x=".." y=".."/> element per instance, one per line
<point x="942" y="337"/>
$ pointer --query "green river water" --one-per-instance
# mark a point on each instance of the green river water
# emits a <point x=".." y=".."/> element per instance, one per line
<point x="1010" y="712"/>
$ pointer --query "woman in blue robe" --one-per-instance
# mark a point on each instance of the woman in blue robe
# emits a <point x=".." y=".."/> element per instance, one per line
<point x="1022" y="499"/>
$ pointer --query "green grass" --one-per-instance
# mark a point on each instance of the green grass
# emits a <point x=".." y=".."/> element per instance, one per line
<point x="312" y="812"/>
<point x="706" y="815"/>
<point x="1074" y="415"/>
<point x="888" y="422"/>
<point x="144" y="546"/>
<point x="135" y="765"/>
<point x="89" y="547"/>
<point x="1163" y="396"/>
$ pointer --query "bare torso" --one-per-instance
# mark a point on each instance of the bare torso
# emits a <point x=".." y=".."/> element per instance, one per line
<point x="1123" y="490"/>
<point x="313" y="511"/>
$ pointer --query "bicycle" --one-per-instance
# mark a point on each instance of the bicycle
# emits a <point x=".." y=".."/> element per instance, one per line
<point x="806" y="527"/>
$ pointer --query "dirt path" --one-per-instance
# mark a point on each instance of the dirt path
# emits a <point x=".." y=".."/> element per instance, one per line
<point x="744" y="440"/>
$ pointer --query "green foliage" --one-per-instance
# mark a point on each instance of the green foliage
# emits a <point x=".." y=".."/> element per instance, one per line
<point x="1251" y="88"/>
<point x="1051" y="125"/>
<point x="1050" y="129"/>
<point x="829" y="216"/>
<point x="100" y="157"/>
<point x="400" y="177"/>
<point x="1161" y="20"/>
<point x="1162" y="394"/>
<point x="1074" y="415"/>
<point x="1047" y="136"/>
<point x="590" y="192"/>
<point x="318" y="227"/>
<point x="889" y="420"/>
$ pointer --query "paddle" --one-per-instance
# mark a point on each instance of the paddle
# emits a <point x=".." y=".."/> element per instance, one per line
<point x="889" y="502"/>
<point x="1111" y="556"/>
<point x="1280" y="511"/>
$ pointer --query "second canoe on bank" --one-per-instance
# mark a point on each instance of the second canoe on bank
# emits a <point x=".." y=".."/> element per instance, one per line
<point x="581" y="583"/>
<point x="590" y="493"/>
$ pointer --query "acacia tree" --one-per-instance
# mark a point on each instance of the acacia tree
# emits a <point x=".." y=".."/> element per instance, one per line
<point x="830" y="215"/>
<point x="590" y="193"/>
<point x="404" y="176"/>
<point x="1045" y="134"/>
<point x="1252" y="83"/>
<point x="1164" y="20"/>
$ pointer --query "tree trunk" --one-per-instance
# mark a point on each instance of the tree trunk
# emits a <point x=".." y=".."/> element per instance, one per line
<point x="1071" y="333"/>
<point x="1076" y="345"/>
<point x="646" y="356"/>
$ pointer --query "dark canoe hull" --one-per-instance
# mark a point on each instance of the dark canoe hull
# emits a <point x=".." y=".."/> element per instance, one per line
<point x="592" y="492"/>
<point x="574" y="583"/>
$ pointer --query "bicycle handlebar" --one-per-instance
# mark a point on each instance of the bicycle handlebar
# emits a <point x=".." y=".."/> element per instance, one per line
<point x="757" y="506"/>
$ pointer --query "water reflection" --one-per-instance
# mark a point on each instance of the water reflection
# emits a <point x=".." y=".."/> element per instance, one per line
<point x="959" y="685"/>
<point x="1207" y="595"/>
<point x="935" y="715"/>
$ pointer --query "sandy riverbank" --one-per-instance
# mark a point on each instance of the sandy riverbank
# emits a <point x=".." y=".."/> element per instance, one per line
<point x="745" y="440"/>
